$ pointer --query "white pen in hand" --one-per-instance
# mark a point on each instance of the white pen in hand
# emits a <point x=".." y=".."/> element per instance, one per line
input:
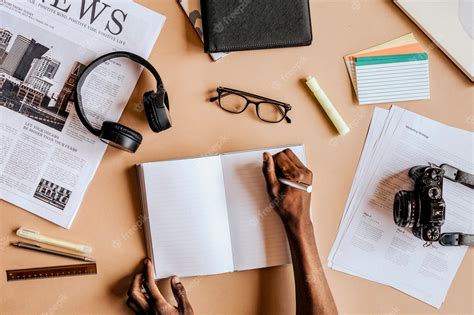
<point x="301" y="186"/>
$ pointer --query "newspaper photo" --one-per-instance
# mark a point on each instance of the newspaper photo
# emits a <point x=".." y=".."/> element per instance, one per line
<point x="47" y="158"/>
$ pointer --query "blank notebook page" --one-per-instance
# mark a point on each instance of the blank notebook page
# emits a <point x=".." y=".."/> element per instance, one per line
<point x="258" y="236"/>
<point x="188" y="221"/>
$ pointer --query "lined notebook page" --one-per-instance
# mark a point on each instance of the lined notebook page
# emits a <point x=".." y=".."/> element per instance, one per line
<point x="257" y="233"/>
<point x="188" y="222"/>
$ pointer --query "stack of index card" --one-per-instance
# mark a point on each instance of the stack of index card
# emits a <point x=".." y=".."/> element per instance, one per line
<point x="392" y="72"/>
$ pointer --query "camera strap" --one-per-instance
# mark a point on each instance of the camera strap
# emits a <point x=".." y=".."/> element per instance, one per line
<point x="456" y="239"/>
<point x="456" y="175"/>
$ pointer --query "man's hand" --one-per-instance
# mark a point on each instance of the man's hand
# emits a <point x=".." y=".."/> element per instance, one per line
<point x="313" y="295"/>
<point x="144" y="297"/>
<point x="290" y="203"/>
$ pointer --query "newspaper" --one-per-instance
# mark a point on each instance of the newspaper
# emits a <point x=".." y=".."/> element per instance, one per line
<point x="47" y="158"/>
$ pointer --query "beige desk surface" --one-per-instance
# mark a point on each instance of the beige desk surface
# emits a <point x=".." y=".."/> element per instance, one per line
<point x="109" y="215"/>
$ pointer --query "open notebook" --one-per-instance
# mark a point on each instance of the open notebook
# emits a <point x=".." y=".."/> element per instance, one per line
<point x="211" y="215"/>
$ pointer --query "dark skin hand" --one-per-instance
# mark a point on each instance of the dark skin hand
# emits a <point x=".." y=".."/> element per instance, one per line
<point x="144" y="297"/>
<point x="313" y="295"/>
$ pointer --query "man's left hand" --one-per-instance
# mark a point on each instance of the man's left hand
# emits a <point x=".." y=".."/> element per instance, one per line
<point x="144" y="297"/>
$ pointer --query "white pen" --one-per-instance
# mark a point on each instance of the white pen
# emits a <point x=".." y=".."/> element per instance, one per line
<point x="50" y="251"/>
<point x="36" y="236"/>
<point x="307" y="188"/>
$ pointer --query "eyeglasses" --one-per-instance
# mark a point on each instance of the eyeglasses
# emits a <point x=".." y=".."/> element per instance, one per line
<point x="236" y="102"/>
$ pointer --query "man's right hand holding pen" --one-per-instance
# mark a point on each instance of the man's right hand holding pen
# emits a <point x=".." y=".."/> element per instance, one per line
<point x="313" y="295"/>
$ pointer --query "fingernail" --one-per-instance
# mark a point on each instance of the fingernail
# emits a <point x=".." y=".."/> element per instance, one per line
<point x="265" y="157"/>
<point x="145" y="261"/>
<point x="176" y="280"/>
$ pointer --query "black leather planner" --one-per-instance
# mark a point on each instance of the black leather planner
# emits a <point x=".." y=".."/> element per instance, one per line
<point x="232" y="25"/>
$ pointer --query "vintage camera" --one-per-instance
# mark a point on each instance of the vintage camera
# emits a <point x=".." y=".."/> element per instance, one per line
<point x="423" y="209"/>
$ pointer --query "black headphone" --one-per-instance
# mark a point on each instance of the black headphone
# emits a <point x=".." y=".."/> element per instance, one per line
<point x="156" y="106"/>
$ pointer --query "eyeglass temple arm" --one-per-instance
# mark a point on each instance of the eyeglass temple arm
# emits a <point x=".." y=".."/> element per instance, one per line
<point x="215" y="98"/>
<point x="225" y="93"/>
<point x="263" y="98"/>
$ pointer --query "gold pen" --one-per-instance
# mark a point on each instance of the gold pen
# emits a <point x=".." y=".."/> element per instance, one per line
<point x="50" y="251"/>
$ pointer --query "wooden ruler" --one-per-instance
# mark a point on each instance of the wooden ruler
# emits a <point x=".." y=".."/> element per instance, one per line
<point x="52" y="272"/>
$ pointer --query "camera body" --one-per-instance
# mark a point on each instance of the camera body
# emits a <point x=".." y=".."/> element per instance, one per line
<point x="423" y="209"/>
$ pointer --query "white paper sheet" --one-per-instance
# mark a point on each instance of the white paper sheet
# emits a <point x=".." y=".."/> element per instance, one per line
<point x="369" y="244"/>
<point x="257" y="233"/>
<point x="187" y="213"/>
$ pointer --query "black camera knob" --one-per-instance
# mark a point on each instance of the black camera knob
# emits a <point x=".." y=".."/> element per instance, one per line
<point x="432" y="234"/>
<point x="434" y="193"/>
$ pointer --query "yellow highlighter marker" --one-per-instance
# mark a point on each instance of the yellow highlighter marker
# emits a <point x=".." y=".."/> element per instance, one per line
<point x="327" y="105"/>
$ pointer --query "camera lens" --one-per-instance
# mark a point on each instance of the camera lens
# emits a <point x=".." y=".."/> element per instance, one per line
<point x="404" y="207"/>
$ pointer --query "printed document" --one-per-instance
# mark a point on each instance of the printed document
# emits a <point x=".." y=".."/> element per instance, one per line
<point x="369" y="244"/>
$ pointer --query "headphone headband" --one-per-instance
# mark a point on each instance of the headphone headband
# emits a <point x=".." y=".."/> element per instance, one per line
<point x="94" y="64"/>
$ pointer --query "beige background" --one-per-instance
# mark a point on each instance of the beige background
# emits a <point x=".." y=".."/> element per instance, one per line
<point x="109" y="216"/>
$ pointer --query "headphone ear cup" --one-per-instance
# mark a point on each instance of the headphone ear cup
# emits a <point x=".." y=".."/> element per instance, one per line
<point x="150" y="111"/>
<point x="120" y="136"/>
<point x="156" y="110"/>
